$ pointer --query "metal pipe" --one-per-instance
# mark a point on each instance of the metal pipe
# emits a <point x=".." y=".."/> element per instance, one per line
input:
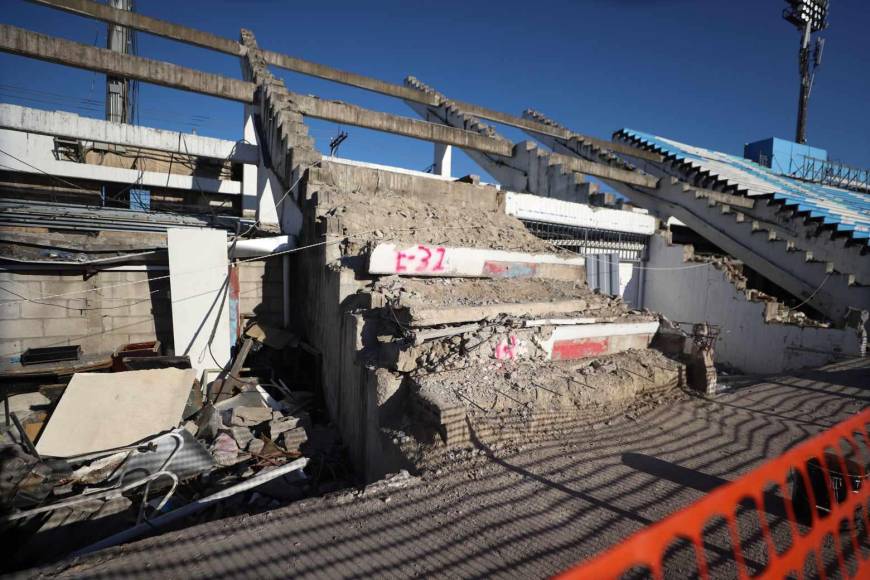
<point x="192" y="508"/>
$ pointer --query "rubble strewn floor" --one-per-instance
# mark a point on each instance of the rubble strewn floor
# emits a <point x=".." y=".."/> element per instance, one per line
<point x="527" y="510"/>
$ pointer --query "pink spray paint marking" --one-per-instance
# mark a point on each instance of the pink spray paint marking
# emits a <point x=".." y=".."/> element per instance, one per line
<point x="421" y="261"/>
<point x="506" y="349"/>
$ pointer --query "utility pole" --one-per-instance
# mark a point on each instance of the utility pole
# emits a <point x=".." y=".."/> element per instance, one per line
<point x="119" y="101"/>
<point x="808" y="16"/>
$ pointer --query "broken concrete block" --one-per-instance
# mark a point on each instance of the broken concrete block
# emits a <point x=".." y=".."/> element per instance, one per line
<point x="225" y="450"/>
<point x="250" y="416"/>
<point x="26" y="404"/>
<point x="256" y="446"/>
<point x="242" y="436"/>
<point x="293" y="439"/>
<point x="209" y="423"/>
<point x="281" y="424"/>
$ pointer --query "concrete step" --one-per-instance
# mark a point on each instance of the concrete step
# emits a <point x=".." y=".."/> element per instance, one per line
<point x="422" y="260"/>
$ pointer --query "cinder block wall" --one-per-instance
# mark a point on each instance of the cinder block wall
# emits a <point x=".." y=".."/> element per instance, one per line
<point x="100" y="313"/>
<point x="261" y="290"/>
<point x="113" y="308"/>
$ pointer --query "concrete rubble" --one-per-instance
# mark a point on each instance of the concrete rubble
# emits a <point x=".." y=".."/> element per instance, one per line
<point x="208" y="445"/>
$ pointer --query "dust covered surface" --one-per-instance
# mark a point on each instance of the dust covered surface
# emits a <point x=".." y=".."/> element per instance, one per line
<point x="528" y="510"/>
<point x="436" y="292"/>
<point x="405" y="219"/>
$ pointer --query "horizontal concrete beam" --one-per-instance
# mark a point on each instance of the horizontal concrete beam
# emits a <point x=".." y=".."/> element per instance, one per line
<point x="62" y="124"/>
<point x="34" y="45"/>
<point x="544" y="129"/>
<point x="438" y="316"/>
<point x="347" y="114"/>
<point x="313" y="69"/>
<point x="137" y="21"/>
<point x="586" y="340"/>
<point x="604" y="171"/>
<point x="527" y="206"/>
<point x="440" y="261"/>
<point x="179" y="33"/>
<point x="37" y="149"/>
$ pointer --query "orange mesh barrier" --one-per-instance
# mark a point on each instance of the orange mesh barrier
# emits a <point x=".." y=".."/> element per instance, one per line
<point x="820" y="529"/>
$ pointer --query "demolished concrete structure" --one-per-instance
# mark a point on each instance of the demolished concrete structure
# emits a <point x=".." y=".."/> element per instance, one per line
<point x="434" y="312"/>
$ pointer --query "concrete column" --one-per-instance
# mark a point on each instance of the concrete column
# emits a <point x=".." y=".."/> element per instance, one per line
<point x="443" y="160"/>
<point x="250" y="205"/>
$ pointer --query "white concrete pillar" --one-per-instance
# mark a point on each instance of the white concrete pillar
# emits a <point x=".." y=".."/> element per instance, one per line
<point x="443" y="159"/>
<point x="250" y="203"/>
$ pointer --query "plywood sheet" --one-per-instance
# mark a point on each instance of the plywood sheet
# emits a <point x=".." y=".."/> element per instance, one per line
<point x="200" y="302"/>
<point x="101" y="411"/>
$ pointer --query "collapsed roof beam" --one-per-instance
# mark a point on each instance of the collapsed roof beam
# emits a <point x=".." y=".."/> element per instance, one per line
<point x="34" y="45"/>
<point x="543" y="129"/>
<point x="339" y="112"/>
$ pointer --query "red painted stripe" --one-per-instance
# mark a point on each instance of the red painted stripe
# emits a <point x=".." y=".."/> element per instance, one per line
<point x="579" y="348"/>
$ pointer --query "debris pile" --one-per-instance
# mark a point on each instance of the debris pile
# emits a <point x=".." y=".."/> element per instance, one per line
<point x="123" y="449"/>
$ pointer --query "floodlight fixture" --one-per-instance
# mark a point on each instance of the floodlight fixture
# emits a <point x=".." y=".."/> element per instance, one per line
<point x="809" y="17"/>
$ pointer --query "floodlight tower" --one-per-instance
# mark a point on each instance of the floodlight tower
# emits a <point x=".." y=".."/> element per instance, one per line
<point x="809" y="17"/>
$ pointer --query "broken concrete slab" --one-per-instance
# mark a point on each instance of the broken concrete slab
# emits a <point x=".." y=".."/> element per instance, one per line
<point x="26" y="404"/>
<point x="426" y="260"/>
<point x="241" y="435"/>
<point x="250" y="416"/>
<point x="293" y="439"/>
<point x="209" y="423"/>
<point x="225" y="450"/>
<point x="102" y="411"/>
<point x="282" y="424"/>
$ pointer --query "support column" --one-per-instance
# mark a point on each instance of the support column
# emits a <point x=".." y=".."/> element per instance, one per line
<point x="250" y="205"/>
<point x="118" y="39"/>
<point x="443" y="160"/>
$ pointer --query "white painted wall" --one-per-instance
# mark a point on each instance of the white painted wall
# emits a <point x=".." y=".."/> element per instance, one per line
<point x="70" y="125"/>
<point x="689" y="292"/>
<point x="35" y="152"/>
<point x="546" y="209"/>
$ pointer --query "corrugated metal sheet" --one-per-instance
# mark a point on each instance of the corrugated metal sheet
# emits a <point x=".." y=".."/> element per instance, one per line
<point x="847" y="211"/>
<point x="602" y="273"/>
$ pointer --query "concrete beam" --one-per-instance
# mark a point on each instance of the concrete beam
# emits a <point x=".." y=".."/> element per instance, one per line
<point x="544" y="129"/>
<point x="440" y="261"/>
<point x="187" y="35"/>
<point x="37" y="149"/>
<point x="604" y="171"/>
<point x="62" y="124"/>
<point x="313" y="69"/>
<point x="136" y="21"/>
<point x="34" y="45"/>
<point x="347" y="114"/>
<point x="545" y="209"/>
<point x="437" y="316"/>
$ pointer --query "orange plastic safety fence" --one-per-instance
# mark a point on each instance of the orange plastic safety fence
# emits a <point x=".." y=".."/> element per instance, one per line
<point x="827" y="501"/>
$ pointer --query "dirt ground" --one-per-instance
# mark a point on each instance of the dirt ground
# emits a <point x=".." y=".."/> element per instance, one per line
<point x="517" y="511"/>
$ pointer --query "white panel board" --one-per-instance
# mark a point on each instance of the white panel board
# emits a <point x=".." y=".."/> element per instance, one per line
<point x="100" y="411"/>
<point x="200" y="302"/>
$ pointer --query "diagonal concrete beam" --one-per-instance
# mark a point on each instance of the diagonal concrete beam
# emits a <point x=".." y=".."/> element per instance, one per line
<point x="34" y="45"/>
<point x="137" y="21"/>
<point x="347" y="114"/>
<point x="90" y="9"/>
<point x="544" y="129"/>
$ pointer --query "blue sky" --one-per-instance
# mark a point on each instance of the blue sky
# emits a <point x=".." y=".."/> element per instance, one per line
<point x="714" y="74"/>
